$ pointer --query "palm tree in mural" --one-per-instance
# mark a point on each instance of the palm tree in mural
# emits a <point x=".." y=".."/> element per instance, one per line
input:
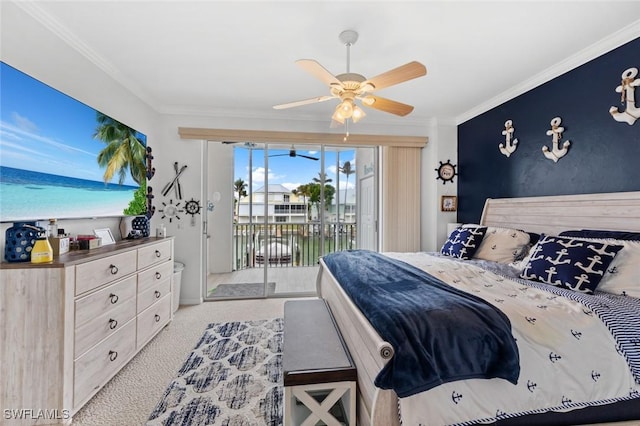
<point x="240" y="188"/>
<point x="124" y="150"/>
<point x="347" y="170"/>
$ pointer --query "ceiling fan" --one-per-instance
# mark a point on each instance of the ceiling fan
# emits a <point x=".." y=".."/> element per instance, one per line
<point x="351" y="86"/>
<point x="293" y="153"/>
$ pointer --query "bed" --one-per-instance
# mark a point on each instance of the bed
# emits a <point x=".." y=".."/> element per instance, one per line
<point x="615" y="396"/>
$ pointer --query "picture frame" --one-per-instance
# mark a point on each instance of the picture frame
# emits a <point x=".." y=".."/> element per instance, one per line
<point x="449" y="203"/>
<point x="105" y="235"/>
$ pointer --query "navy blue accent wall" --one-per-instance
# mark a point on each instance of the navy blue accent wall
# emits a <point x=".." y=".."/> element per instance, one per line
<point x="604" y="155"/>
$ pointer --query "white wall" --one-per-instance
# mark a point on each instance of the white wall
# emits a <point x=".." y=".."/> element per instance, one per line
<point x="33" y="49"/>
<point x="442" y="146"/>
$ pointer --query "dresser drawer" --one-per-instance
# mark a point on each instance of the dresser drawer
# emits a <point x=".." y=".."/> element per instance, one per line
<point x="153" y="294"/>
<point x="98" y="272"/>
<point x="154" y="275"/>
<point x="153" y="319"/>
<point x="93" y="368"/>
<point x="103" y="326"/>
<point x="101" y="301"/>
<point x="155" y="253"/>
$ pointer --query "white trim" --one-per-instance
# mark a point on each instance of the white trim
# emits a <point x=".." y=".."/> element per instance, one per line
<point x="617" y="39"/>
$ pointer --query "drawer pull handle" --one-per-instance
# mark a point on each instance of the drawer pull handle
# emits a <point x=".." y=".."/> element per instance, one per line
<point x="158" y="254"/>
<point x="158" y="294"/>
<point x="157" y="317"/>
<point x="114" y="269"/>
<point x="158" y="275"/>
<point x="113" y="298"/>
<point x="113" y="323"/>
<point x="113" y="355"/>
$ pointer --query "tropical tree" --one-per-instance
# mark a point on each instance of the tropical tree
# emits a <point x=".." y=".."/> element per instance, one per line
<point x="347" y="170"/>
<point x="240" y="188"/>
<point x="322" y="177"/>
<point x="304" y="192"/>
<point x="315" y="197"/>
<point x="124" y="151"/>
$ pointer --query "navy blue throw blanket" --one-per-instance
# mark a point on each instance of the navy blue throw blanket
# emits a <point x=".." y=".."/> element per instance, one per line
<point x="439" y="333"/>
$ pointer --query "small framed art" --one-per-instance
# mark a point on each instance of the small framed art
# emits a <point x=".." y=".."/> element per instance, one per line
<point x="106" y="236"/>
<point x="449" y="203"/>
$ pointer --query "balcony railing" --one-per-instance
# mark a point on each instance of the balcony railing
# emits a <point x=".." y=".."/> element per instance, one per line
<point x="288" y="244"/>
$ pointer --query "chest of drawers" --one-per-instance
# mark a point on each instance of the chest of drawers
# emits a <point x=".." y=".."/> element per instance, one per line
<point x="69" y="326"/>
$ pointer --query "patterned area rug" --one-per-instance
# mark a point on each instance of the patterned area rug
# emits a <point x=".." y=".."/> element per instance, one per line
<point x="233" y="377"/>
<point x="242" y="290"/>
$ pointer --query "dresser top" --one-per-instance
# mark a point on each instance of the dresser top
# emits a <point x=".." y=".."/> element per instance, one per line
<point x="74" y="257"/>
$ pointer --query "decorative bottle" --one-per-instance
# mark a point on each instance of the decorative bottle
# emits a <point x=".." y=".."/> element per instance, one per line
<point x="42" y="251"/>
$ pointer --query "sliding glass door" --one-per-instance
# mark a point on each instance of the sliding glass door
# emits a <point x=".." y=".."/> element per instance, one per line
<point x="293" y="204"/>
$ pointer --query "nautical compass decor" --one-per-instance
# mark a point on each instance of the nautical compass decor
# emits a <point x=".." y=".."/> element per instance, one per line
<point x="171" y="210"/>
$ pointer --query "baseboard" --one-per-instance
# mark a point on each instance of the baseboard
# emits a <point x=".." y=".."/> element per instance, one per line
<point x="190" y="301"/>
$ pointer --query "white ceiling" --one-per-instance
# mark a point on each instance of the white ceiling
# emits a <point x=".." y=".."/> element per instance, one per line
<point x="236" y="58"/>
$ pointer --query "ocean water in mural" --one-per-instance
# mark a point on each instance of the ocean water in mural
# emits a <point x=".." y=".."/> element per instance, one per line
<point x="60" y="158"/>
<point x="26" y="194"/>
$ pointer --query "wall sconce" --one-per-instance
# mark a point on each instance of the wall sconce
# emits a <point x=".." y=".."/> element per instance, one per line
<point x="508" y="147"/>
<point x="556" y="152"/>
<point x="627" y="93"/>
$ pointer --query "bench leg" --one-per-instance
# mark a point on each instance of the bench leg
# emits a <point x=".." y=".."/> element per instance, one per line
<point x="345" y="391"/>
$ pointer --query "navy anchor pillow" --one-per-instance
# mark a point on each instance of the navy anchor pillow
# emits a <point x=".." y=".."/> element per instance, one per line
<point x="570" y="263"/>
<point x="463" y="242"/>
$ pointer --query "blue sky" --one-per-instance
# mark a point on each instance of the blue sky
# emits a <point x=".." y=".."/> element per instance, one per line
<point x="44" y="130"/>
<point x="291" y="172"/>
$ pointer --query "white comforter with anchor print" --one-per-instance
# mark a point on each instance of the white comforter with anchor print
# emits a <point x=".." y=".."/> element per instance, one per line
<point x="568" y="356"/>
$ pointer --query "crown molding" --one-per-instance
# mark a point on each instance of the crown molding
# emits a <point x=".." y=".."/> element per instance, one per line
<point x="73" y="41"/>
<point x="617" y="39"/>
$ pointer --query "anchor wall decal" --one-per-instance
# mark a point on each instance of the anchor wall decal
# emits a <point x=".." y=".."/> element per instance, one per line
<point x="556" y="152"/>
<point x="509" y="146"/>
<point x="627" y="93"/>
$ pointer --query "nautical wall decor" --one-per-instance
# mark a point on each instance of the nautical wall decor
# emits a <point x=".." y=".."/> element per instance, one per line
<point x="446" y="172"/>
<point x="150" y="171"/>
<point x="556" y="152"/>
<point x="627" y="94"/>
<point x="509" y="146"/>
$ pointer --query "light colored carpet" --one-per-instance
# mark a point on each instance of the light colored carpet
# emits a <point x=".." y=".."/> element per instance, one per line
<point x="129" y="398"/>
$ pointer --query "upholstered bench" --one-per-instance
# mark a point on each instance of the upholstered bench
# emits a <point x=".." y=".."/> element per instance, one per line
<point x="319" y="374"/>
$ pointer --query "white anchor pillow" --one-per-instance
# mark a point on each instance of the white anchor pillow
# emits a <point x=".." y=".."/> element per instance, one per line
<point x="503" y="245"/>
<point x="463" y="242"/>
<point x="569" y="262"/>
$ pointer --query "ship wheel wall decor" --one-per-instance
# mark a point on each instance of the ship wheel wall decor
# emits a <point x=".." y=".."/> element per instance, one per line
<point x="446" y="172"/>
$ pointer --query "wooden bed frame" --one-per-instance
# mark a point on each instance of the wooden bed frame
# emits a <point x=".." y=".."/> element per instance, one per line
<point x="549" y="214"/>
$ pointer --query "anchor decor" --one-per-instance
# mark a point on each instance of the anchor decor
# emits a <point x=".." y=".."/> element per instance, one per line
<point x="627" y="93"/>
<point x="508" y="147"/>
<point x="556" y="152"/>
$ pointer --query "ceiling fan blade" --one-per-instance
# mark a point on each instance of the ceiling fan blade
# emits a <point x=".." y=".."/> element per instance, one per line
<point x="303" y="102"/>
<point x="397" y="75"/>
<point x="279" y="155"/>
<point x="318" y="71"/>
<point x="387" y="105"/>
<point x="306" y="156"/>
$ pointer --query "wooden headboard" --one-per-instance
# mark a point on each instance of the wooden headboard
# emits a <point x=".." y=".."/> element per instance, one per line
<point x="615" y="211"/>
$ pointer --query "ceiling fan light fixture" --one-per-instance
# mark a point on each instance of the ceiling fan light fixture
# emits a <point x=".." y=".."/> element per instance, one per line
<point x="358" y="113"/>
<point x="337" y="116"/>
<point x="346" y="108"/>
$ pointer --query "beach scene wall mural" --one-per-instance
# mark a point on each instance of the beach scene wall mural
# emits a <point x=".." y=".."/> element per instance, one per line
<point x="60" y="158"/>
